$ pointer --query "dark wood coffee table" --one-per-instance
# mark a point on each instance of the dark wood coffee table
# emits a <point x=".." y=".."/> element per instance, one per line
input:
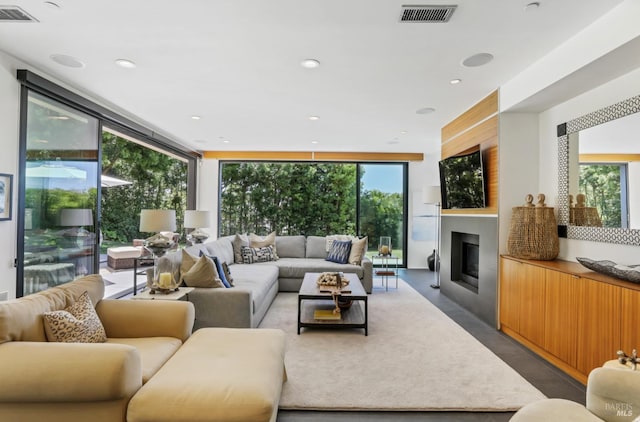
<point x="310" y="298"/>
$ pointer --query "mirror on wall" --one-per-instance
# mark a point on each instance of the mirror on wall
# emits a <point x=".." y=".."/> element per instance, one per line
<point x="599" y="175"/>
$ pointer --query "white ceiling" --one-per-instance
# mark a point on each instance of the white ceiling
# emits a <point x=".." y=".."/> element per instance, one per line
<point x="237" y="65"/>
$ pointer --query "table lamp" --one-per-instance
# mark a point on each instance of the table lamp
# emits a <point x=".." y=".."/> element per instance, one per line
<point x="196" y="220"/>
<point x="156" y="221"/>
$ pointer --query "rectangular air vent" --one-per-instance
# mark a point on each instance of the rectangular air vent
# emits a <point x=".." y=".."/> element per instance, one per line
<point x="427" y="13"/>
<point x="15" y="14"/>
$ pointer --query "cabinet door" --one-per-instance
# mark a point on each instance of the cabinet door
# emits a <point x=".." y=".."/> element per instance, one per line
<point x="598" y="325"/>
<point x="532" y="298"/>
<point x="564" y="293"/>
<point x="630" y="320"/>
<point x="510" y="272"/>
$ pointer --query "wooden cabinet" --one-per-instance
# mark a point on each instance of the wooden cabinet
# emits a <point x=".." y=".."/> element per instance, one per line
<point x="575" y="318"/>
<point x="630" y="320"/>
<point x="563" y="294"/>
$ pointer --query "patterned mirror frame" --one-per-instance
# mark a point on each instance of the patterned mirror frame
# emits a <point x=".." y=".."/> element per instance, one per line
<point x="596" y="234"/>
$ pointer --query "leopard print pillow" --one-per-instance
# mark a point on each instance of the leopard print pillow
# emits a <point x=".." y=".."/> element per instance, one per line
<point x="79" y="323"/>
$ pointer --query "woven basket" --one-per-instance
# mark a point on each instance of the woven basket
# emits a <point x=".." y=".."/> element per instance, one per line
<point x="533" y="233"/>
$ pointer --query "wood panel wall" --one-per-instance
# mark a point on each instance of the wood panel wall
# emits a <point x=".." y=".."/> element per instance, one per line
<point x="477" y="126"/>
<point x="314" y="156"/>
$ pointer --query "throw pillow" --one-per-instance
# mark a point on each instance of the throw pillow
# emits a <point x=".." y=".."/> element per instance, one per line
<point x="219" y="270"/>
<point x="227" y="273"/>
<point x="253" y="255"/>
<point x="78" y="323"/>
<point x="202" y="274"/>
<point x="333" y="237"/>
<point x="339" y="252"/>
<point x="358" y="249"/>
<point x="238" y="242"/>
<point x="256" y="241"/>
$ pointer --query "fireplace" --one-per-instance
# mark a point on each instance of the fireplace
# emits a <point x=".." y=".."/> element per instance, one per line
<point x="465" y="259"/>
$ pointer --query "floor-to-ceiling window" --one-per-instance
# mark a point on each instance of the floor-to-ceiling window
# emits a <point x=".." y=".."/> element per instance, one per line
<point x="61" y="182"/>
<point x="312" y="198"/>
<point x="61" y="190"/>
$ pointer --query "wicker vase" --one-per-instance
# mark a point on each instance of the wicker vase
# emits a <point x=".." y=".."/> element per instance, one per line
<point x="533" y="233"/>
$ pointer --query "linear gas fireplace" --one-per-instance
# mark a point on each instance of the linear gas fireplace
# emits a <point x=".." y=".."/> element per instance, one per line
<point x="465" y="259"/>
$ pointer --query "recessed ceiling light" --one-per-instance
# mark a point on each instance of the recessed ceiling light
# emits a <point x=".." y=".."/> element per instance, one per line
<point x="476" y="60"/>
<point x="532" y="6"/>
<point x="393" y="142"/>
<point x="226" y="141"/>
<point x="127" y="64"/>
<point x="404" y="132"/>
<point x="310" y="63"/>
<point x="314" y="118"/>
<point x="455" y="81"/>
<point x="67" y="61"/>
<point x="314" y="142"/>
<point x="426" y="110"/>
<point x="194" y="117"/>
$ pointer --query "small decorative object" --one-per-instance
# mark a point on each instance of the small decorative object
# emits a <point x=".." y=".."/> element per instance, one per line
<point x="533" y="233"/>
<point x="623" y="272"/>
<point x="581" y="214"/>
<point x="164" y="284"/>
<point x="634" y="360"/>
<point x="433" y="261"/>
<point x="332" y="279"/>
<point x="384" y="247"/>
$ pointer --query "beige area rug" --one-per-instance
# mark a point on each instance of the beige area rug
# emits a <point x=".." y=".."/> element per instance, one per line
<point x="415" y="358"/>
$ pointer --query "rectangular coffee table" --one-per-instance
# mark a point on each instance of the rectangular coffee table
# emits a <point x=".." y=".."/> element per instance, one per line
<point x="310" y="299"/>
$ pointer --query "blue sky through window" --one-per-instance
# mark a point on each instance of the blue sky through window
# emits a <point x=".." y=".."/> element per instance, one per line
<point x="383" y="177"/>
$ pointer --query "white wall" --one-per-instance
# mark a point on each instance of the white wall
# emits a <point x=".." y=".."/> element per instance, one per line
<point x="602" y="96"/>
<point x="9" y="137"/>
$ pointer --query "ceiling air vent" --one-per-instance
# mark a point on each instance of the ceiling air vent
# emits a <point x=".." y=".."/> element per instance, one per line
<point x="427" y="13"/>
<point x="15" y="14"/>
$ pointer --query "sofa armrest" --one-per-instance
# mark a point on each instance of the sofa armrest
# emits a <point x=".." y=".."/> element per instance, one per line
<point x="612" y="390"/>
<point x="68" y="372"/>
<point x="367" y="279"/>
<point x="218" y="307"/>
<point x="146" y="318"/>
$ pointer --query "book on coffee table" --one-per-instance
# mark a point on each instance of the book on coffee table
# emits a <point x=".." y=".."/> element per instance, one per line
<point x="326" y="314"/>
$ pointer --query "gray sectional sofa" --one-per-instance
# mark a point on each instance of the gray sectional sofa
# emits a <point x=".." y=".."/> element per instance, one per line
<point x="256" y="285"/>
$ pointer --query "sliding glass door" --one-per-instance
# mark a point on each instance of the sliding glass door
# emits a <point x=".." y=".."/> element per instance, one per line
<point x="60" y="195"/>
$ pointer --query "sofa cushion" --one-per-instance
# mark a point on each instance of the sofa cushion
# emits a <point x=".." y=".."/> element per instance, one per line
<point x="256" y="241"/>
<point x="154" y="351"/>
<point x="238" y="242"/>
<point x="219" y="270"/>
<point x="253" y="255"/>
<point x="316" y="247"/>
<point x="258" y="278"/>
<point x="339" y="251"/>
<point x="291" y="246"/>
<point x="21" y="319"/>
<point x="227" y="273"/>
<point x="297" y="268"/>
<point x="358" y="250"/>
<point x="222" y="248"/>
<point x="78" y="323"/>
<point x="202" y="274"/>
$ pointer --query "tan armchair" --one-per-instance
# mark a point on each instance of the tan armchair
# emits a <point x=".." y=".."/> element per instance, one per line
<point x="51" y="381"/>
<point x="613" y="394"/>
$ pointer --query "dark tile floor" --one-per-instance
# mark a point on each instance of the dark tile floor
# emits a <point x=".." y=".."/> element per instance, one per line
<point x="544" y="376"/>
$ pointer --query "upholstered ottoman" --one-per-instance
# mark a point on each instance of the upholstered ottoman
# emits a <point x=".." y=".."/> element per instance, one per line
<point x="122" y="257"/>
<point x="219" y="374"/>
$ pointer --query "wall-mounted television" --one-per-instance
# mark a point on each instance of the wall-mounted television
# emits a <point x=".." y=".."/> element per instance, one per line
<point x="462" y="181"/>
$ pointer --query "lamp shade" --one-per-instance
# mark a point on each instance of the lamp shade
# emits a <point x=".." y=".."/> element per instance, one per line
<point x="197" y="219"/>
<point x="154" y="221"/>
<point x="76" y="217"/>
<point x="431" y="195"/>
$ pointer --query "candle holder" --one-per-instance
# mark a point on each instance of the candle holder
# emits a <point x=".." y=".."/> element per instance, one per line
<point x="384" y="246"/>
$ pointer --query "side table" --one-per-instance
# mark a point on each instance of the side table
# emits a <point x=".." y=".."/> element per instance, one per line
<point x="181" y="294"/>
<point x="386" y="269"/>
